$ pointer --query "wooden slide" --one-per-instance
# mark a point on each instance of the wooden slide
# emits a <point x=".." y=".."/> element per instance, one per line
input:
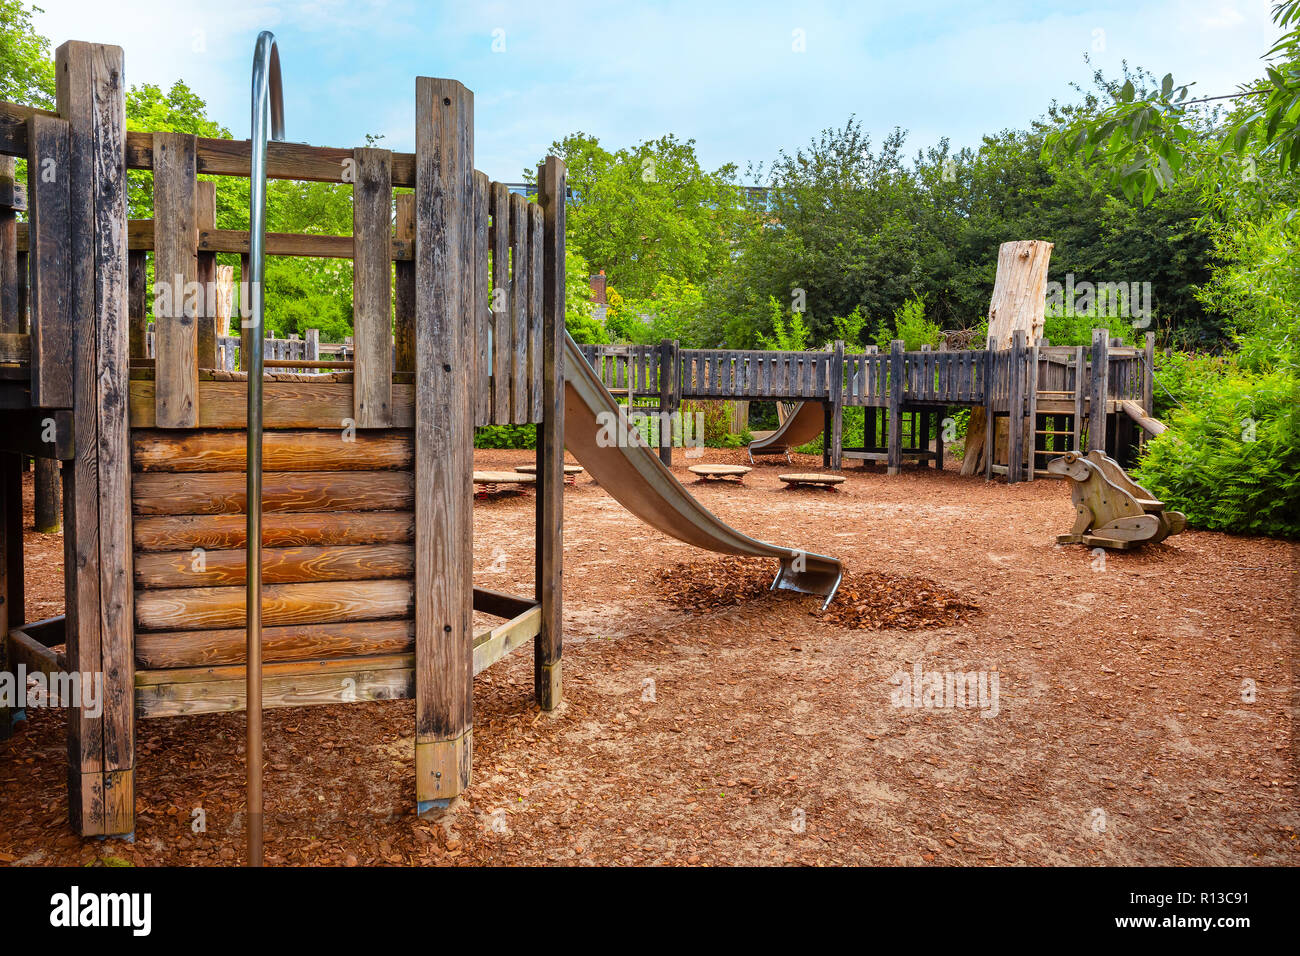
<point x="598" y="433"/>
<point x="799" y="428"/>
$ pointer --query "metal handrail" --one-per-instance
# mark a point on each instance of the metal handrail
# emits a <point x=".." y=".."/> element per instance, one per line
<point x="268" y="106"/>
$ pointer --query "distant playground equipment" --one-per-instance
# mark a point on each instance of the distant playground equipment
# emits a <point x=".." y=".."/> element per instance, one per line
<point x="571" y="472"/>
<point x="732" y="473"/>
<point x="493" y="483"/>
<point x="1063" y="398"/>
<point x="367" y="540"/>
<point x="812" y="480"/>
<point x="1112" y="510"/>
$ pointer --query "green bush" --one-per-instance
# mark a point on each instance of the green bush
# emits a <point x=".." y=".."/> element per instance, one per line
<point x="911" y="326"/>
<point x="505" y="436"/>
<point x="1231" y="458"/>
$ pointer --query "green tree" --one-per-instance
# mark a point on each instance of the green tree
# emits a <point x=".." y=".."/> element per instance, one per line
<point x="648" y="211"/>
<point x="26" y="66"/>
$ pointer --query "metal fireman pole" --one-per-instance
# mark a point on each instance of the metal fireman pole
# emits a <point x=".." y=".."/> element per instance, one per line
<point x="268" y="107"/>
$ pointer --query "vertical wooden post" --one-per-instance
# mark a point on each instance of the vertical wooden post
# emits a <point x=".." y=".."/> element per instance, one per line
<point x="313" y="345"/>
<point x="372" y="289"/>
<point x="502" y="328"/>
<point x="1148" y="383"/>
<point x="444" y="440"/>
<point x="176" y="339"/>
<point x="245" y="305"/>
<point x="48" y="496"/>
<point x="1080" y="396"/>
<point x="51" y="270"/>
<point x="137" y="307"/>
<point x="1016" y="409"/>
<point x="894" y="464"/>
<point x="991" y="389"/>
<point x="90" y="92"/>
<point x="10" y="466"/>
<point x="548" y="645"/>
<point x="833" y="438"/>
<point x="1031" y="417"/>
<point x="1098" y="391"/>
<point x="205" y="272"/>
<point x="9" y="320"/>
<point x="667" y="406"/>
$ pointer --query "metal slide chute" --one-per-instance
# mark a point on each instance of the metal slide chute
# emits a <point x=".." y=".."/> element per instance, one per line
<point x="799" y="428"/>
<point x="598" y="433"/>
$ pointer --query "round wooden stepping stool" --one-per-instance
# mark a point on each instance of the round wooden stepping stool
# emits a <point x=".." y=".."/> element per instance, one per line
<point x="491" y="483"/>
<point x="811" y="479"/>
<point x="735" y="473"/>
<point x="571" y="472"/>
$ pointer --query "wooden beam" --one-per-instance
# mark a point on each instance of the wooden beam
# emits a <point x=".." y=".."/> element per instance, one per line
<point x="205" y="216"/>
<point x="233" y="157"/>
<point x="91" y="95"/>
<point x="162" y="493"/>
<point x="444" y="427"/>
<point x="217" y="568"/>
<point x="502" y="327"/>
<point x="185" y="532"/>
<point x="176" y="311"/>
<point x="548" y="647"/>
<point x="495" y="644"/>
<point x="209" y="690"/>
<point x="51" y="269"/>
<point x="313" y="602"/>
<point x="1099" y="390"/>
<point x="298" y="450"/>
<point x="372" y="289"/>
<point x="157" y="649"/>
<point x="294" y="405"/>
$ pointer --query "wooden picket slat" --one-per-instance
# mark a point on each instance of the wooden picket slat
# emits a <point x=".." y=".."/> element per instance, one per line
<point x="372" y="288"/>
<point x="176" y="347"/>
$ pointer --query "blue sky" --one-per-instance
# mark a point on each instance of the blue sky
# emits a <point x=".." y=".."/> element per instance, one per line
<point x="729" y="75"/>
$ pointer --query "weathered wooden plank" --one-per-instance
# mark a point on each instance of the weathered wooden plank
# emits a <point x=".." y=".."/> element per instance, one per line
<point x="49" y="264"/>
<point x="316" y="602"/>
<point x="171" y="693"/>
<point x="226" y="567"/>
<point x="482" y="303"/>
<point x="552" y="179"/>
<point x="294" y="642"/>
<point x="97" y="523"/>
<point x="444" y="429"/>
<point x="536" y="318"/>
<point x="372" y="289"/>
<point x="1099" y="390"/>
<point x="233" y="157"/>
<point x="185" y="532"/>
<point x="163" y="493"/>
<point x="322" y="405"/>
<point x="520" y="254"/>
<point x="504" y="638"/>
<point x="502" y="329"/>
<point x="176" y="349"/>
<point x="205" y="215"/>
<point x="297" y="450"/>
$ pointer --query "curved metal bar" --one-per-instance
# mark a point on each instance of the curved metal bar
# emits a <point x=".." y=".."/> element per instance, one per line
<point x="268" y="107"/>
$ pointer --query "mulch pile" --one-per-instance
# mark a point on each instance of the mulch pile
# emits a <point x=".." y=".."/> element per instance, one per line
<point x="869" y="600"/>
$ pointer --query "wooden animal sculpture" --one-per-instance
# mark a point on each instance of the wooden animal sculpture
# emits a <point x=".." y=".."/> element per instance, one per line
<point x="1111" y="510"/>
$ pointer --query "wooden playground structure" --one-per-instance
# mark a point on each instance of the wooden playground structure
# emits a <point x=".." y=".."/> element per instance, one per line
<point x="368" y="530"/>
<point x="1063" y="397"/>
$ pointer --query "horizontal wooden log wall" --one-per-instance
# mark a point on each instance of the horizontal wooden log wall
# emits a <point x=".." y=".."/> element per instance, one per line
<point x="339" y="557"/>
